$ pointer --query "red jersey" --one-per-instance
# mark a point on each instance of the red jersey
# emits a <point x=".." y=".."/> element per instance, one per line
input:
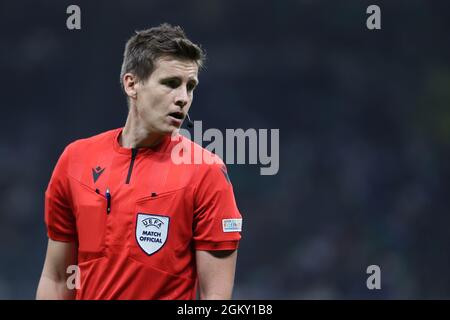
<point x="138" y="217"/>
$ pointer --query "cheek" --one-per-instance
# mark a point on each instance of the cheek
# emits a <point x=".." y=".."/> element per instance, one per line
<point x="155" y="103"/>
<point x="148" y="104"/>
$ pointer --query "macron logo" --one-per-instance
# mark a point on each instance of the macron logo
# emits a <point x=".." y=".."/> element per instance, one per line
<point x="96" y="173"/>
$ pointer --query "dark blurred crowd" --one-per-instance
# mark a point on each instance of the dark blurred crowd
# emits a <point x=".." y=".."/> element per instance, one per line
<point x="364" y="119"/>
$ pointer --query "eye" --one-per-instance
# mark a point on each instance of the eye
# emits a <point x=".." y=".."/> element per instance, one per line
<point x="171" y="83"/>
<point x="191" y="86"/>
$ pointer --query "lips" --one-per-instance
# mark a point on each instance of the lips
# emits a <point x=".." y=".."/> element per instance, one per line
<point x="177" y="115"/>
<point x="176" y="118"/>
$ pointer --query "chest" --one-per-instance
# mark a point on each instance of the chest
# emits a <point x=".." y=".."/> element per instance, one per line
<point x="140" y="202"/>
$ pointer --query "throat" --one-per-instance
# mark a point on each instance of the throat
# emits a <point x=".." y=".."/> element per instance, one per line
<point x="130" y="138"/>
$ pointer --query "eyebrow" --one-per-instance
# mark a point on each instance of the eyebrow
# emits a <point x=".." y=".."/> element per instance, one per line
<point x="178" y="78"/>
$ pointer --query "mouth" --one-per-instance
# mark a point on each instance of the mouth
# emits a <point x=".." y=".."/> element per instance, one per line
<point x="176" y="118"/>
<point x="177" y="115"/>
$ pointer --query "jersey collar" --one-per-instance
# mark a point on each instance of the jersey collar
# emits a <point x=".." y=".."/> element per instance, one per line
<point x="165" y="146"/>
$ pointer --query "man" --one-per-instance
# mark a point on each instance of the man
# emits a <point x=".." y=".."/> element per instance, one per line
<point x="138" y="225"/>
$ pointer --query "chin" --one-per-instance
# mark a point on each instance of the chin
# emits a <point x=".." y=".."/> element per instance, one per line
<point x="162" y="129"/>
<point x="170" y="130"/>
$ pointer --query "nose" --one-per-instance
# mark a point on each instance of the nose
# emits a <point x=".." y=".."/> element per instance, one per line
<point x="182" y="98"/>
<point x="181" y="103"/>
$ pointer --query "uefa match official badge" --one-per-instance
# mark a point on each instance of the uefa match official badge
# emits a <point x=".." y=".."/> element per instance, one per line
<point x="151" y="232"/>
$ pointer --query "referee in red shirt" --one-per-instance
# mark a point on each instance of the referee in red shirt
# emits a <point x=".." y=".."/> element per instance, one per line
<point x="135" y="224"/>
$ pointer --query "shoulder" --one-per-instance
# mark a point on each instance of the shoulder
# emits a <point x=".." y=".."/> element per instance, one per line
<point x="199" y="156"/>
<point x="82" y="150"/>
<point x="104" y="138"/>
<point x="207" y="164"/>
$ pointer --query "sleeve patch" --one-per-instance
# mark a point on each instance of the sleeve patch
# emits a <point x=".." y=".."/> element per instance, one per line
<point x="232" y="225"/>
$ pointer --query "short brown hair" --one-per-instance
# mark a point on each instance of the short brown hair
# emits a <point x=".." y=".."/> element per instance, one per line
<point x="143" y="48"/>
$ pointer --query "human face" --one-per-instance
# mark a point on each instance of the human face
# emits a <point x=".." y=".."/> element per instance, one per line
<point x="163" y="100"/>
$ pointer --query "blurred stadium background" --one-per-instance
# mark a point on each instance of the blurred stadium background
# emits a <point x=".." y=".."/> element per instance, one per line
<point x="364" y="119"/>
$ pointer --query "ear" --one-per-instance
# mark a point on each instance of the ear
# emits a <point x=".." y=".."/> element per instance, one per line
<point x="129" y="85"/>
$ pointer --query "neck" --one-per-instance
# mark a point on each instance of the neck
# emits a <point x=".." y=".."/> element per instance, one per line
<point x="136" y="135"/>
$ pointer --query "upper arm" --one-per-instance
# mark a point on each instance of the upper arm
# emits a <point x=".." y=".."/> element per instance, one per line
<point x="216" y="271"/>
<point x="217" y="227"/>
<point x="59" y="256"/>
<point x="59" y="217"/>
<point x="217" y="220"/>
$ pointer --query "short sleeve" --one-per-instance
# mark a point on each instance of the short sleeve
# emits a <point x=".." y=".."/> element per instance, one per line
<point x="217" y="220"/>
<point x="59" y="217"/>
